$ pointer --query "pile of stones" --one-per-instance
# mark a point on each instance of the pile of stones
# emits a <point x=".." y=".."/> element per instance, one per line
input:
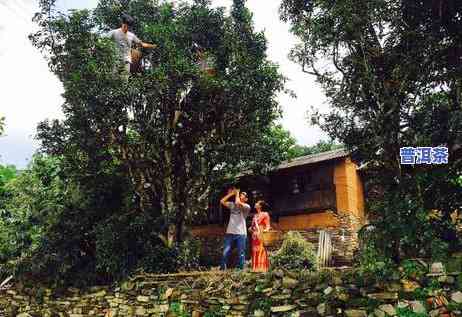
<point x="433" y="290"/>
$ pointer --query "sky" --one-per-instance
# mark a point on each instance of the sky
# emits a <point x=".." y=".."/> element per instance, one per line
<point x="30" y="93"/>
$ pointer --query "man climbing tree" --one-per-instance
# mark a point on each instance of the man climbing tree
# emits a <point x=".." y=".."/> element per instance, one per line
<point x="124" y="40"/>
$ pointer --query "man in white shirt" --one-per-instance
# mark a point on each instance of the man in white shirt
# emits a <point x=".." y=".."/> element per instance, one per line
<point x="124" y="40"/>
<point x="237" y="229"/>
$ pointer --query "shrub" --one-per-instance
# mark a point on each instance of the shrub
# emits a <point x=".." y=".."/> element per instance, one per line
<point x="295" y="253"/>
<point x="413" y="269"/>
<point x="407" y="312"/>
<point x="189" y="253"/>
<point x="374" y="264"/>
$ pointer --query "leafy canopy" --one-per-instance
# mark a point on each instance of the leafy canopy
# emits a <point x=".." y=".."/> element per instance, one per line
<point x="392" y="73"/>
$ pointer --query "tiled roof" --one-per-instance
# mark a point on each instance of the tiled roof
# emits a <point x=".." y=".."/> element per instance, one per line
<point x="313" y="158"/>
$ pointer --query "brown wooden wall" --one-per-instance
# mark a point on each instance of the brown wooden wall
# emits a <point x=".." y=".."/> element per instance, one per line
<point x="314" y="183"/>
<point x="334" y="185"/>
<point x="349" y="189"/>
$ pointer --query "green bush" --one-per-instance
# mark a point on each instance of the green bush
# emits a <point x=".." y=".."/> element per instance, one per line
<point x="295" y="253"/>
<point x="189" y="253"/>
<point x="407" y="312"/>
<point x="374" y="264"/>
<point x="413" y="269"/>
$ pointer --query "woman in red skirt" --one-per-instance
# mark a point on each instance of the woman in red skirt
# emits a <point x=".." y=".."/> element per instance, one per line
<point x="260" y="223"/>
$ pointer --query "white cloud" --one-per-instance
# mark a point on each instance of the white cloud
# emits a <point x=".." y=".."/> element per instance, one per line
<point x="29" y="93"/>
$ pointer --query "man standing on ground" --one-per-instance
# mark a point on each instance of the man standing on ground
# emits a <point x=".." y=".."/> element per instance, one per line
<point x="237" y="229"/>
<point x="124" y="40"/>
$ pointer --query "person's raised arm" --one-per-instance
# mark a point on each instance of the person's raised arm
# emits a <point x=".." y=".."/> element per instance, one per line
<point x="224" y="200"/>
<point x="238" y="198"/>
<point x="148" y="45"/>
<point x="143" y="44"/>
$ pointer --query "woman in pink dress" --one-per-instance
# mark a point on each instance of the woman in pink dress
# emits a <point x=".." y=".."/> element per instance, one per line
<point x="260" y="223"/>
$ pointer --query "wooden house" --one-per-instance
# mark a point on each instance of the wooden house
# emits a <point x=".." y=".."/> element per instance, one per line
<point x="308" y="194"/>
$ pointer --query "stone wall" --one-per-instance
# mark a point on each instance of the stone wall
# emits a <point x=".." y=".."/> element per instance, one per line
<point x="278" y="293"/>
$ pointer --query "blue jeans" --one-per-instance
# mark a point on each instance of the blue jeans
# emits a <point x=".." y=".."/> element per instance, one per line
<point x="241" y="241"/>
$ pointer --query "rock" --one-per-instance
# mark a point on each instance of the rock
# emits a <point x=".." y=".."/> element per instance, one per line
<point x="168" y="292"/>
<point x="288" y="282"/>
<point x="437" y="268"/>
<point x="457" y="297"/>
<point x="434" y="313"/>
<point x="280" y="297"/>
<point x="140" y="311"/>
<point x="328" y="291"/>
<point x="142" y="299"/>
<point x="267" y="291"/>
<point x="259" y="313"/>
<point x="98" y="294"/>
<point x="285" y="308"/>
<point x="409" y="286"/>
<point x="418" y="307"/>
<point x="388" y="309"/>
<point x="300" y="303"/>
<point x="384" y="296"/>
<point x="127" y="286"/>
<point x="323" y="309"/>
<point x="442" y="278"/>
<point x="342" y="296"/>
<point x="393" y="287"/>
<point x="239" y="307"/>
<point x="279" y="273"/>
<point x="313" y="299"/>
<point x="337" y="281"/>
<point x="355" y="313"/>
<point x="395" y="276"/>
<point x="276" y="284"/>
<point x="379" y="313"/>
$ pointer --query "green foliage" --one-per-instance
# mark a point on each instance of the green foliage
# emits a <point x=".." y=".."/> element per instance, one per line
<point x="261" y="303"/>
<point x="459" y="281"/>
<point x="374" y="264"/>
<point x="98" y="206"/>
<point x="420" y="294"/>
<point x="320" y="147"/>
<point x="30" y="203"/>
<point x="453" y="306"/>
<point x="189" y="254"/>
<point x="7" y="173"/>
<point x="295" y="253"/>
<point x="213" y="313"/>
<point x="178" y="309"/>
<point x="392" y="81"/>
<point x="203" y="130"/>
<point x="408" y="312"/>
<point x="413" y="269"/>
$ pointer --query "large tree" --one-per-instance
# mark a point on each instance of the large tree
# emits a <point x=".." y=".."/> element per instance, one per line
<point x="392" y="73"/>
<point x="176" y="132"/>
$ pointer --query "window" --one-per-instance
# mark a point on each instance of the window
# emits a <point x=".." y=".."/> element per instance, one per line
<point x="295" y="186"/>
<point x="301" y="183"/>
<point x="256" y="195"/>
